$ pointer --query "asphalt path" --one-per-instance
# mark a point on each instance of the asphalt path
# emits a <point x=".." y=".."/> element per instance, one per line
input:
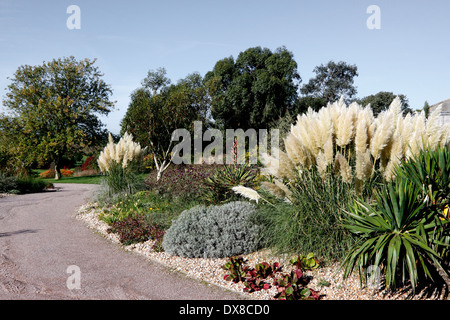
<point x="47" y="254"/>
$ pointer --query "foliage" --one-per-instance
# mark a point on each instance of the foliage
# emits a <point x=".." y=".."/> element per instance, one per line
<point x="120" y="163"/>
<point x="311" y="220"/>
<point x="236" y="269"/>
<point x="7" y="183"/>
<point x="354" y="144"/>
<point x="332" y="81"/>
<point x="213" y="232"/>
<point x="181" y="181"/>
<point x="290" y="286"/>
<point x="303" y="262"/>
<point x="253" y="90"/>
<point x="158" y="108"/>
<point x="131" y="230"/>
<point x="55" y="107"/>
<point x="50" y="173"/>
<point x="89" y="164"/>
<point x="25" y="184"/>
<point x="155" y="209"/>
<point x="293" y="286"/>
<point x="430" y="170"/>
<point x="217" y="188"/>
<point x="382" y="100"/>
<point x="396" y="234"/>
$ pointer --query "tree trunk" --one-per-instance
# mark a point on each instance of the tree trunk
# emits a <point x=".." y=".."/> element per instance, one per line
<point x="57" y="172"/>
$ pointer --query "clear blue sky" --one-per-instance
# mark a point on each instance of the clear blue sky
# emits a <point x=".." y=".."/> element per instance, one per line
<point x="409" y="55"/>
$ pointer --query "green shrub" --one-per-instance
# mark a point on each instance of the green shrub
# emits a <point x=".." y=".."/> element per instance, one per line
<point x="7" y="183"/>
<point x="31" y="185"/>
<point x="213" y="232"/>
<point x="18" y="185"/>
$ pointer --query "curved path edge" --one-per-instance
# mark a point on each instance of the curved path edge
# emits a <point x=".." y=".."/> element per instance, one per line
<point x="46" y="253"/>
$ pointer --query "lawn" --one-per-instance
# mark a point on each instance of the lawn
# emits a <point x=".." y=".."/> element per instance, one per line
<point x="96" y="179"/>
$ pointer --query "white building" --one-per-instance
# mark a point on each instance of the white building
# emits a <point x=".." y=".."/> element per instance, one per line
<point x="445" y="113"/>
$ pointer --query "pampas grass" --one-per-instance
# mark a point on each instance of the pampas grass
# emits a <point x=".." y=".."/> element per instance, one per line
<point x="119" y="162"/>
<point x="358" y="142"/>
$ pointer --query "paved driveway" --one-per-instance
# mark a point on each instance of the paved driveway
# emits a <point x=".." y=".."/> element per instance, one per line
<point x="45" y="253"/>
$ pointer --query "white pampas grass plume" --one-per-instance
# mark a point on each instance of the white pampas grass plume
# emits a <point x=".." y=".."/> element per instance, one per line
<point x="433" y="132"/>
<point x="361" y="137"/>
<point x="287" y="192"/>
<point x="383" y="134"/>
<point x="247" y="193"/>
<point x="344" y="131"/>
<point x="286" y="168"/>
<point x="342" y="166"/>
<point x="321" y="164"/>
<point x="297" y="152"/>
<point x="273" y="189"/>
<point x="271" y="165"/>
<point x="124" y="152"/>
<point x="328" y="150"/>
<point x="416" y="143"/>
<point x="445" y="135"/>
<point x="363" y="165"/>
<point x="395" y="157"/>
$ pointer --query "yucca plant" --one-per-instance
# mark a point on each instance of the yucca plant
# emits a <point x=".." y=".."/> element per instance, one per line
<point x="431" y="171"/>
<point x="218" y="187"/>
<point x="396" y="234"/>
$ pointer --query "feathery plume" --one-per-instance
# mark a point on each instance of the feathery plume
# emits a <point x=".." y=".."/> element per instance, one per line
<point x="247" y="193"/>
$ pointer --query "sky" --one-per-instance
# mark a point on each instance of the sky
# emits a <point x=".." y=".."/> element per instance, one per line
<point x="409" y="52"/>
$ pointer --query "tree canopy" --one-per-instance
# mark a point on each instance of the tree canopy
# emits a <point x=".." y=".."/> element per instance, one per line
<point x="53" y="110"/>
<point x="251" y="91"/>
<point x="155" y="111"/>
<point x="332" y="81"/>
<point x="382" y="100"/>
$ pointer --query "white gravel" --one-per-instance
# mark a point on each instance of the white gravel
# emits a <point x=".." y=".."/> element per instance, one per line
<point x="210" y="270"/>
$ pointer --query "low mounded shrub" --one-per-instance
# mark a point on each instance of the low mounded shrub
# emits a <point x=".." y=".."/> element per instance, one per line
<point x="7" y="183"/>
<point x="14" y="184"/>
<point x="135" y="229"/>
<point x="213" y="232"/>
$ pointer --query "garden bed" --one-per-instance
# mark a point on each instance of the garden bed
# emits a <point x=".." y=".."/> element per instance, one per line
<point x="328" y="281"/>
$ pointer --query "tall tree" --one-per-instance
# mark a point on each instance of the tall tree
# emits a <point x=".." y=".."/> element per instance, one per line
<point x="153" y="115"/>
<point x="332" y="81"/>
<point x="54" y="108"/>
<point x="382" y="100"/>
<point x="253" y="91"/>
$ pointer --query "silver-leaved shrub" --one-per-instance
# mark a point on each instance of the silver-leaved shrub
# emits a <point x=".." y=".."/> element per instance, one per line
<point x="213" y="232"/>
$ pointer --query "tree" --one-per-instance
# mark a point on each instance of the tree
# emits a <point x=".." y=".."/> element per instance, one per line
<point x="315" y="103"/>
<point x="253" y="91"/>
<point x="332" y="81"/>
<point x="382" y="100"/>
<point x="53" y="109"/>
<point x="153" y="115"/>
<point x="426" y="108"/>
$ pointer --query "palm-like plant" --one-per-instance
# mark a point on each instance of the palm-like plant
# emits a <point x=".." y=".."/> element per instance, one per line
<point x="396" y="234"/>
<point x="431" y="171"/>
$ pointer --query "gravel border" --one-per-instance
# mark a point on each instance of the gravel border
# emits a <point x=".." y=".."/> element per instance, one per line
<point x="210" y="270"/>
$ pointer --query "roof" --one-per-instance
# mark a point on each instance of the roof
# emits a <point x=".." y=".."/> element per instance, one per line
<point x="445" y="106"/>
